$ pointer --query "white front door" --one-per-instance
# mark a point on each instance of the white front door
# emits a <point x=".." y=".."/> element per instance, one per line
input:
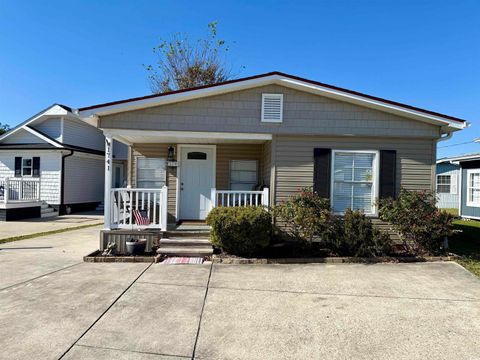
<point x="196" y="181"/>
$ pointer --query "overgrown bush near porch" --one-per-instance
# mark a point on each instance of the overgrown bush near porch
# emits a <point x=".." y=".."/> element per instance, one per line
<point x="242" y="231"/>
<point x="421" y="224"/>
<point x="308" y="218"/>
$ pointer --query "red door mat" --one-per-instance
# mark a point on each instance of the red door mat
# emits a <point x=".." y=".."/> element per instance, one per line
<point x="182" y="260"/>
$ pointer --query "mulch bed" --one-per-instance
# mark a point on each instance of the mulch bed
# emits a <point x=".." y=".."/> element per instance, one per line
<point x="97" y="256"/>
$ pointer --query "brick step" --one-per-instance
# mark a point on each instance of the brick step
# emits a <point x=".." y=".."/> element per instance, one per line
<point x="189" y="251"/>
<point x="184" y="241"/>
<point x="187" y="233"/>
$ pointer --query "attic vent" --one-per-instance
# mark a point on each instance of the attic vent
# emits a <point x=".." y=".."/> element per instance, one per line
<point x="272" y="107"/>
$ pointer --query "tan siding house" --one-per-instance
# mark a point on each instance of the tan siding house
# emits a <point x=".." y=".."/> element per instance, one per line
<point x="258" y="140"/>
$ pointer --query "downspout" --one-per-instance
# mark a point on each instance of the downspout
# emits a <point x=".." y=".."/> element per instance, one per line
<point x="62" y="181"/>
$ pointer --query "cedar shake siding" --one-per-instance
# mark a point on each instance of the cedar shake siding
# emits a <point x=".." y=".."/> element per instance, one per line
<point x="240" y="111"/>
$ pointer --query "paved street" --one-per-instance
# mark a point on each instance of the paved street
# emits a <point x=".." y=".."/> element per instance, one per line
<point x="55" y="306"/>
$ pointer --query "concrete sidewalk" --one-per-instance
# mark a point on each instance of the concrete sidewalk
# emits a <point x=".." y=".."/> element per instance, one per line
<point x="10" y="229"/>
<point x="67" y="309"/>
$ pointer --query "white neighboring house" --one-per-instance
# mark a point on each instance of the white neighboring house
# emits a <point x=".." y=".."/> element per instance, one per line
<point x="54" y="163"/>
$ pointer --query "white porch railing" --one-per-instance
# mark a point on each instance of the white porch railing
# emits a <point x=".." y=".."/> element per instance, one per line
<point x="19" y="190"/>
<point x="151" y="202"/>
<point x="240" y="198"/>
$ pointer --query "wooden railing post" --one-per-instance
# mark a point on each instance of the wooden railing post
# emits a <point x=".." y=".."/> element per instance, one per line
<point x="164" y="208"/>
<point x="265" y="195"/>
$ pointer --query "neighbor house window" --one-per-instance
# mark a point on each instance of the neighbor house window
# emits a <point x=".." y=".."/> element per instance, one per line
<point x="473" y="187"/>
<point x="354" y="181"/>
<point x="243" y="174"/>
<point x="27" y="167"/>
<point x="443" y="184"/>
<point x="151" y="172"/>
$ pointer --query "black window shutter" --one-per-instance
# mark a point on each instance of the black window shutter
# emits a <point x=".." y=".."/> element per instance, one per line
<point x="18" y="166"/>
<point x="321" y="171"/>
<point x="388" y="173"/>
<point x="36" y="167"/>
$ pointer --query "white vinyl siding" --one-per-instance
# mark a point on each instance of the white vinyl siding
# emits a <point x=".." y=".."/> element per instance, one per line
<point x="151" y="172"/>
<point x="50" y="174"/>
<point x="473" y="187"/>
<point x="354" y="181"/>
<point x="50" y="127"/>
<point x="79" y="133"/>
<point x="272" y="107"/>
<point x="243" y="174"/>
<point x="22" y="136"/>
<point x="84" y="178"/>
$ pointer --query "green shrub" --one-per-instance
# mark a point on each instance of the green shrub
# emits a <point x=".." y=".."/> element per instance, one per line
<point x="240" y="231"/>
<point x="414" y="215"/>
<point x="355" y="235"/>
<point x="304" y="216"/>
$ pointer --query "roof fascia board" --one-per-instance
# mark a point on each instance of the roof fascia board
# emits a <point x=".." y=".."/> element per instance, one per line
<point x="186" y="134"/>
<point x="41" y="136"/>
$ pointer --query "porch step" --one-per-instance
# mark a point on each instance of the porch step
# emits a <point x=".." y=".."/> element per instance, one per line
<point x="46" y="211"/>
<point x="187" y="234"/>
<point x="185" y="246"/>
<point x="194" y="251"/>
<point x="184" y="242"/>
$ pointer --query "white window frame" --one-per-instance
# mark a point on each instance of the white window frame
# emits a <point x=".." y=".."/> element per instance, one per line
<point x="469" y="187"/>
<point x="150" y="157"/>
<point x="280" y="96"/>
<point x="31" y="166"/>
<point x="245" y="160"/>
<point x="450" y="184"/>
<point x="375" y="182"/>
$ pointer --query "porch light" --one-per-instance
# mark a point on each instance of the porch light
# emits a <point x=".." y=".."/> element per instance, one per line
<point x="171" y="162"/>
<point x="171" y="153"/>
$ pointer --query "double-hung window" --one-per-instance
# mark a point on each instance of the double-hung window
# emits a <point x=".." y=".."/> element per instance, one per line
<point x="243" y="174"/>
<point x="473" y="187"/>
<point x="151" y="172"/>
<point x="354" y="180"/>
<point x="27" y="166"/>
<point x="443" y="184"/>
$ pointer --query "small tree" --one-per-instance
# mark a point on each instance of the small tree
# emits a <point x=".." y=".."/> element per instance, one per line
<point x="183" y="63"/>
<point x="4" y="128"/>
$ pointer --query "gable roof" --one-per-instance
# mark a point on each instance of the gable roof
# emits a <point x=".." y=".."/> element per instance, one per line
<point x="335" y="92"/>
<point x="55" y="109"/>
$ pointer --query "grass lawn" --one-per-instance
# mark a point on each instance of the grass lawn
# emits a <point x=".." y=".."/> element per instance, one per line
<point x="467" y="244"/>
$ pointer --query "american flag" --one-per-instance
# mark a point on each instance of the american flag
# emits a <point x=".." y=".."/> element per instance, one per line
<point x="141" y="217"/>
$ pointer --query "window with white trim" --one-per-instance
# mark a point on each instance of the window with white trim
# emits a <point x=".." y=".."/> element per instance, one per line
<point x="27" y="166"/>
<point x="473" y="187"/>
<point x="443" y="184"/>
<point x="243" y="174"/>
<point x="354" y="179"/>
<point x="272" y="108"/>
<point x="151" y="172"/>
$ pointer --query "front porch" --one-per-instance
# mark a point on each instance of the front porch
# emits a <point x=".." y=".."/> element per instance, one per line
<point x="180" y="177"/>
<point x="19" y="198"/>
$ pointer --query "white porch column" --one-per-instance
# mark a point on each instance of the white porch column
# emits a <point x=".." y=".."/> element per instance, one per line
<point x="108" y="181"/>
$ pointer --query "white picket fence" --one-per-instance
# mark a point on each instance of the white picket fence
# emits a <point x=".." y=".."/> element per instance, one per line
<point x="151" y="202"/>
<point x="240" y="198"/>
<point x="19" y="190"/>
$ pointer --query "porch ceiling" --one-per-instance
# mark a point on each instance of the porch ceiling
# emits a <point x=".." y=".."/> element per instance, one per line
<point x="185" y="137"/>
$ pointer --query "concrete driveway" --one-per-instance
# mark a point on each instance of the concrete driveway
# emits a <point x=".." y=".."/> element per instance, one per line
<point x="73" y="310"/>
<point x="33" y="226"/>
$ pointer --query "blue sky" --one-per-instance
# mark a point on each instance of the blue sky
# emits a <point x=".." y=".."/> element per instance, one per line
<point x="423" y="53"/>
